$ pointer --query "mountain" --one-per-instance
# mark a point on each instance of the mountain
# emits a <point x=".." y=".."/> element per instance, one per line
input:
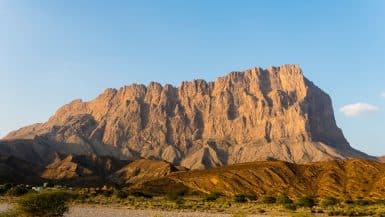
<point x="354" y="178"/>
<point x="254" y="115"/>
<point x="75" y="170"/>
<point x="13" y="170"/>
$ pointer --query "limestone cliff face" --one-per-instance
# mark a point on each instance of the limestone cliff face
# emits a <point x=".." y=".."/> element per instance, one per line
<point x="245" y="116"/>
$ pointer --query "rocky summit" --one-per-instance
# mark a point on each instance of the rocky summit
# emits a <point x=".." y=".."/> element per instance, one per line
<point x="254" y="115"/>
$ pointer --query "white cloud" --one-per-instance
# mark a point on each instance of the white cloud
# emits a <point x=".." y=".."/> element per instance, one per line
<point x="357" y="109"/>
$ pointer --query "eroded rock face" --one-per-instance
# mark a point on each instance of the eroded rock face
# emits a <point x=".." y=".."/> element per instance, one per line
<point x="245" y="116"/>
<point x="353" y="178"/>
<point x="142" y="170"/>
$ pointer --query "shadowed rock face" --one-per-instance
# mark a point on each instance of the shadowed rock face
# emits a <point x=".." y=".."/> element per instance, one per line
<point x="80" y="169"/>
<point x="245" y="116"/>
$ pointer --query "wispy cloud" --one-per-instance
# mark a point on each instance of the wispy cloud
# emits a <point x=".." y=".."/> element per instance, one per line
<point x="357" y="109"/>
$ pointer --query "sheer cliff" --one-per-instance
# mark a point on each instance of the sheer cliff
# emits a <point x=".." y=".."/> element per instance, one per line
<point x="257" y="114"/>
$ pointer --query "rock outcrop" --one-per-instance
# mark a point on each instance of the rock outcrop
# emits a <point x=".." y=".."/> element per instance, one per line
<point x="81" y="169"/>
<point x="142" y="170"/>
<point x="258" y="114"/>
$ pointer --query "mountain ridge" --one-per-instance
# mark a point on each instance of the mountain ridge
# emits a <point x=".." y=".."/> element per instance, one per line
<point x="257" y="114"/>
<point x="347" y="179"/>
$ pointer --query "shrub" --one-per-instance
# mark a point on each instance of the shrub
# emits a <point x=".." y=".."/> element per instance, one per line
<point x="175" y="195"/>
<point x="240" y="198"/>
<point x="329" y="201"/>
<point x="18" y="191"/>
<point x="45" y="204"/>
<point x="308" y="202"/>
<point x="362" y="202"/>
<point x="121" y="194"/>
<point x="334" y="213"/>
<point x="284" y="199"/>
<point x="212" y="196"/>
<point x="107" y="193"/>
<point x="269" y="200"/>
<point x="261" y="211"/>
<point x="140" y="194"/>
<point x="252" y="197"/>
<point x="5" y="188"/>
<point x="290" y="206"/>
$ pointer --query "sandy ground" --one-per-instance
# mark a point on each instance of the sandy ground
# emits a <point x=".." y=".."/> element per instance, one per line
<point x="100" y="211"/>
<point x="97" y="211"/>
<point x="4" y="207"/>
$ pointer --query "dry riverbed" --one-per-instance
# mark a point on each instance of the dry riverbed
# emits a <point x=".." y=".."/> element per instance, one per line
<point x="105" y="211"/>
<point x="99" y="211"/>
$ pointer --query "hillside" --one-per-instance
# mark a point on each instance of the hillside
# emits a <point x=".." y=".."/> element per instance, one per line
<point x="342" y="178"/>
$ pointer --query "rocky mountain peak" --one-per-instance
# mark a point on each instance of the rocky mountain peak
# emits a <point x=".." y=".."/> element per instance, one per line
<point x="244" y="116"/>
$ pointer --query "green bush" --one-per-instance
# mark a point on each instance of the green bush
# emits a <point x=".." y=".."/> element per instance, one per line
<point x="290" y="206"/>
<point x="18" y="191"/>
<point x="329" y="201"/>
<point x="5" y="188"/>
<point x="107" y="193"/>
<point x="362" y="202"/>
<point x="175" y="195"/>
<point x="44" y="204"/>
<point x="140" y="194"/>
<point x="240" y="198"/>
<point x="121" y="194"/>
<point x="212" y="196"/>
<point x="269" y="199"/>
<point x="308" y="202"/>
<point x="284" y="199"/>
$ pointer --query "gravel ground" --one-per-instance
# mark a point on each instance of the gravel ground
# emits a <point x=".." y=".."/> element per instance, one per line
<point x="97" y="211"/>
<point x="4" y="207"/>
<point x="100" y="211"/>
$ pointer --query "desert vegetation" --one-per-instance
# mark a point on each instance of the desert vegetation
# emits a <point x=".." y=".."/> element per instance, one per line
<point x="55" y="201"/>
<point x="50" y="203"/>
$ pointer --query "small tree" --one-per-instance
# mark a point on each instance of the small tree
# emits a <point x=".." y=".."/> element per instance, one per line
<point x="329" y="201"/>
<point x="308" y="202"/>
<point x="18" y="191"/>
<point x="5" y="188"/>
<point x="45" y="204"/>
<point x="284" y="199"/>
<point x="240" y="198"/>
<point x="121" y="194"/>
<point x="176" y="195"/>
<point x="212" y="196"/>
<point x="269" y="199"/>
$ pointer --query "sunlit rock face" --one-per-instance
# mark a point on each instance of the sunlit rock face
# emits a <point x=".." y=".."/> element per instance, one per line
<point x="257" y="114"/>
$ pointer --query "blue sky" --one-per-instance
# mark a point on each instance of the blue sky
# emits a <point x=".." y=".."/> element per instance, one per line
<point x="52" y="52"/>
